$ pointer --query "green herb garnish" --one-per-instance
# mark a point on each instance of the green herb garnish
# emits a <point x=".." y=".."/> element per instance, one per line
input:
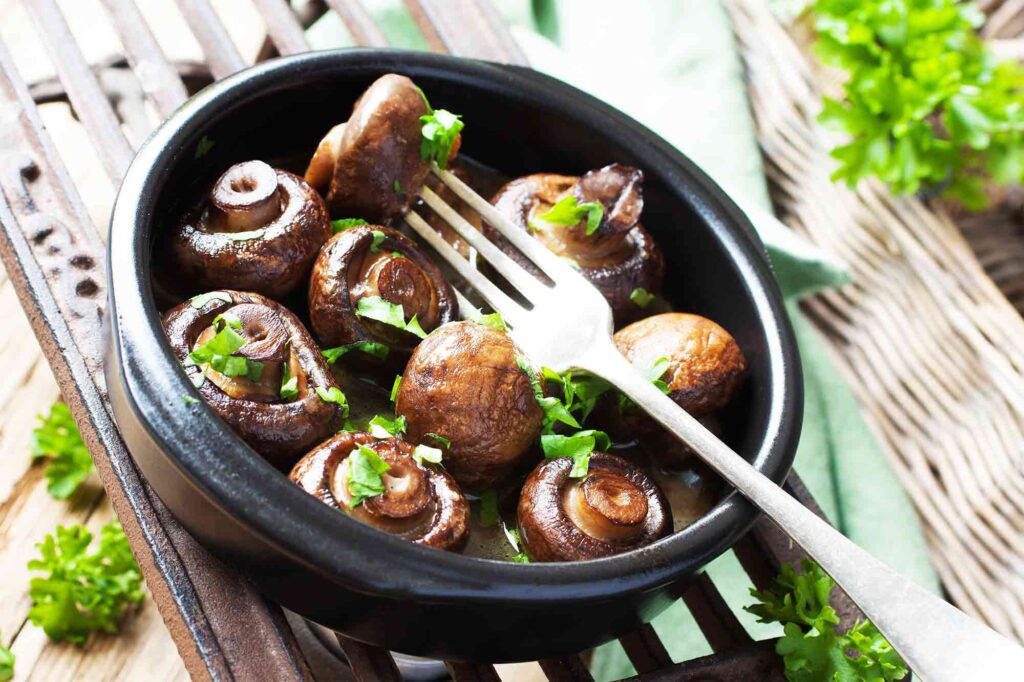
<point x="810" y="647"/>
<point x="289" y="384"/>
<point x="395" y="386"/>
<point x="577" y="447"/>
<point x="554" y="409"/>
<point x="440" y="130"/>
<point x="439" y="438"/>
<point x="567" y="212"/>
<point x="198" y="302"/>
<point x="425" y="453"/>
<point x="927" y="103"/>
<point x="641" y="297"/>
<point x="345" y="223"/>
<point x="494" y="320"/>
<point x="57" y="439"/>
<point x="363" y="468"/>
<point x="513" y="539"/>
<point x="376" y="308"/>
<point x="378" y="239"/>
<point x="397" y="186"/>
<point x="489" y="515"/>
<point x="334" y="395"/>
<point x="83" y="592"/>
<point x="189" y="400"/>
<point x="6" y="664"/>
<point x="203" y="147"/>
<point x="219" y="351"/>
<point x="382" y="427"/>
<point x="377" y="350"/>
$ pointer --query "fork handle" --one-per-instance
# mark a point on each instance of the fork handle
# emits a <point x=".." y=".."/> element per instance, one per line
<point x="939" y="642"/>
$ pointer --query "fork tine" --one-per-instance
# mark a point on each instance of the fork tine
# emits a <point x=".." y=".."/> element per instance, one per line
<point x="495" y="297"/>
<point x="512" y="271"/>
<point x="556" y="268"/>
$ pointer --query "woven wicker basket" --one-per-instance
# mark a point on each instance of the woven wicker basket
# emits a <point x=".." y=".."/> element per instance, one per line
<point x="931" y="346"/>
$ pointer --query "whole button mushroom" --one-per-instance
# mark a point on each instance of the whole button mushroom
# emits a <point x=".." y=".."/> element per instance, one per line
<point x="464" y="383"/>
<point x="415" y="502"/>
<point x="606" y="241"/>
<point x="368" y="270"/>
<point x="255" y="364"/>
<point x="613" y="508"/>
<point x="257" y="229"/>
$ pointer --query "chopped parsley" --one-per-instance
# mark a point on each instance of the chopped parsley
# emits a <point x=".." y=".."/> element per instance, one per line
<point x="374" y="348"/>
<point x="395" y="386"/>
<point x="363" y="468"/>
<point x="376" y="308"/>
<point x="554" y="409"/>
<point x="513" y="539"/>
<point x="489" y="515"/>
<point x="382" y="427"/>
<point x="641" y="297"/>
<point x="6" y="664"/>
<point x="378" y="239"/>
<point x="425" y="453"/>
<point x="494" y="320"/>
<point x="82" y="592"/>
<point x="289" y="384"/>
<point x="203" y="147"/>
<point x="345" y="223"/>
<point x="439" y="438"/>
<point x="198" y="302"/>
<point x="57" y="439"/>
<point x="333" y="395"/>
<point x="397" y="186"/>
<point x="219" y="351"/>
<point x="567" y="212"/>
<point x="189" y="400"/>
<point x="577" y="447"/>
<point x="440" y="130"/>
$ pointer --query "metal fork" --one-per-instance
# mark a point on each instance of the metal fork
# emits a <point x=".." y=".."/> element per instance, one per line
<point x="939" y="642"/>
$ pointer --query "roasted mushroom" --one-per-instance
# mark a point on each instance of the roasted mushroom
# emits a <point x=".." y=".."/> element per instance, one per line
<point x="594" y="222"/>
<point x="419" y="503"/>
<point x="257" y="229"/>
<point x="703" y="369"/>
<point x="369" y="283"/>
<point x="612" y="509"/>
<point x="464" y="383"/>
<point x="255" y="364"/>
<point x="370" y="167"/>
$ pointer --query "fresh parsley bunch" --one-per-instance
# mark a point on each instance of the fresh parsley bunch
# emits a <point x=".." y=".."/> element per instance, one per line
<point x="83" y="591"/>
<point x="57" y="438"/>
<point x="927" y="105"/>
<point x="6" y="664"/>
<point x="811" y="648"/>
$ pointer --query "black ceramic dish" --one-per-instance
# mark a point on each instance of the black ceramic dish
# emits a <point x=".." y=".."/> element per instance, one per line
<point x="348" y="576"/>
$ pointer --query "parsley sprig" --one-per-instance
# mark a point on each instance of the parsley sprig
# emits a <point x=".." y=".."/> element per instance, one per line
<point x="363" y="468"/>
<point x="219" y="351"/>
<point x="927" y="104"/>
<point x="568" y="212"/>
<point x="810" y="647"/>
<point x="376" y="308"/>
<point x="83" y="591"/>
<point x="440" y="130"/>
<point x="57" y="439"/>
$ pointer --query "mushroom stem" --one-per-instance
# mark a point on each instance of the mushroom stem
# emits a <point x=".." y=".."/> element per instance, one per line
<point x="246" y="197"/>
<point x="607" y="506"/>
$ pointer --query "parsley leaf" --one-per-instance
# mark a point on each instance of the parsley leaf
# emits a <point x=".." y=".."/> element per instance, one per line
<point x="577" y="447"/>
<point x="334" y="395"/>
<point x="641" y="297"/>
<point x="382" y="427"/>
<point x="57" y="438"/>
<point x="568" y="212"/>
<point x="203" y="147"/>
<point x="926" y="102"/>
<point x="377" y="350"/>
<point x="489" y="515"/>
<point x="189" y="400"/>
<point x="513" y="539"/>
<point x="202" y="299"/>
<point x="554" y="409"/>
<point x="440" y="439"/>
<point x="810" y="647"/>
<point x="219" y="351"/>
<point x="494" y="320"/>
<point x="376" y="308"/>
<point x="83" y="591"/>
<point x="425" y="453"/>
<point x="289" y="384"/>
<point x="378" y="239"/>
<point x="395" y="386"/>
<point x="363" y="468"/>
<point x="6" y="664"/>
<point x="397" y="186"/>
<point x="345" y="223"/>
<point x="440" y="130"/>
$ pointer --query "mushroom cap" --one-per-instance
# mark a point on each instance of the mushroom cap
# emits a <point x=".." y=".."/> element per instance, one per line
<point x="614" y="508"/>
<point x="347" y="268"/>
<point x="379" y="147"/>
<point x="421" y="504"/>
<point x="463" y="383"/>
<point x="280" y="431"/>
<point x="262" y="240"/>
<point x="706" y="366"/>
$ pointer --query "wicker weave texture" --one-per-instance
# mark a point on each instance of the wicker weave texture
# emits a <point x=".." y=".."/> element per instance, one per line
<point x="932" y="348"/>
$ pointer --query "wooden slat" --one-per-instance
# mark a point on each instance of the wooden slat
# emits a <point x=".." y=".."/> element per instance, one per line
<point x="645" y="650"/>
<point x="360" y="24"/>
<point x="468" y="28"/>
<point x="472" y="672"/>
<point x="221" y="54"/>
<point x="567" y="669"/>
<point x="755" y="663"/>
<point x="83" y="89"/>
<point x="283" y="26"/>
<point x="158" y="78"/>
<point x="716" y="620"/>
<point x="369" y="663"/>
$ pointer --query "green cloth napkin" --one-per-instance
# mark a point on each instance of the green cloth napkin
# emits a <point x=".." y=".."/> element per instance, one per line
<point x="674" y="65"/>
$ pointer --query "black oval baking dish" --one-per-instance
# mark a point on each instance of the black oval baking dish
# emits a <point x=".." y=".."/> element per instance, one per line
<point x="345" y="575"/>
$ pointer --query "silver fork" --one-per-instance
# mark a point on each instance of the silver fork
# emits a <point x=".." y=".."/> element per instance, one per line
<point x="939" y="642"/>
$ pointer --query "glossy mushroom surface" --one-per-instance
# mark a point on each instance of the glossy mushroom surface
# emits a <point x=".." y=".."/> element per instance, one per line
<point x="370" y="166"/>
<point x="279" y="429"/>
<point x="257" y="229"/>
<point x="619" y="257"/>
<point x="374" y="261"/>
<point x="463" y="383"/>
<point x="422" y="504"/>
<point x="612" y="509"/>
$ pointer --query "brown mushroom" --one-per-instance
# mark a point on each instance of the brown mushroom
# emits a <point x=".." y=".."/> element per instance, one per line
<point x="281" y="351"/>
<point x="464" y="383"/>
<point x="257" y="229"/>
<point x="419" y="503"/>
<point x="370" y="166"/>
<point x="612" y="509"/>
<point x="619" y="257"/>
<point x="373" y="261"/>
<point x="704" y="372"/>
